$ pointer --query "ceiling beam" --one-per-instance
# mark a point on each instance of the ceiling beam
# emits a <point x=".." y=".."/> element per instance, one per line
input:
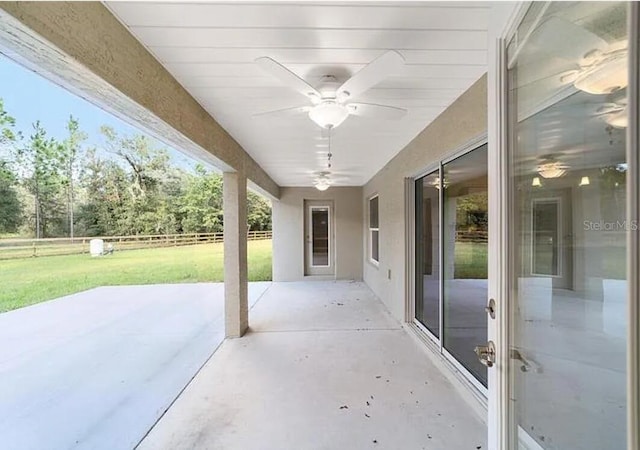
<point x="84" y="48"/>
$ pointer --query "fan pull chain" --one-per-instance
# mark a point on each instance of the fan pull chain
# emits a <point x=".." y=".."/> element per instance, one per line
<point x="329" y="155"/>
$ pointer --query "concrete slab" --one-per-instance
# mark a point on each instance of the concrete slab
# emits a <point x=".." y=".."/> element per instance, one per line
<point x="320" y="305"/>
<point x="98" y="368"/>
<point x="324" y="367"/>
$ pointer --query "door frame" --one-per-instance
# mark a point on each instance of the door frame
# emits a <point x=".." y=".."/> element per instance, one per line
<point x="633" y="234"/>
<point x="309" y="267"/>
<point x="501" y="434"/>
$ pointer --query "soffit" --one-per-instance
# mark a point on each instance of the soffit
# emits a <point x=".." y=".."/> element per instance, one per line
<point x="210" y="49"/>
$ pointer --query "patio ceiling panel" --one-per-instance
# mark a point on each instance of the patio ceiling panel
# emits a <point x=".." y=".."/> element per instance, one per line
<point x="210" y="49"/>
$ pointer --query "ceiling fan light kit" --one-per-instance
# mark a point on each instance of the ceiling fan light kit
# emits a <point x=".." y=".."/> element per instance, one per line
<point x="552" y="169"/>
<point x="323" y="182"/>
<point x="604" y="77"/>
<point x="618" y="120"/>
<point x="328" y="114"/>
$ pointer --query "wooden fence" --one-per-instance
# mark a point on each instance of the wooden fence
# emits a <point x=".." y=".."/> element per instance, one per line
<point x="24" y="248"/>
<point x="472" y="236"/>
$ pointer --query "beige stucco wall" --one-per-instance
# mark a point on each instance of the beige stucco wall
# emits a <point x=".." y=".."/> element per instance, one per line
<point x="288" y="231"/>
<point x="464" y="120"/>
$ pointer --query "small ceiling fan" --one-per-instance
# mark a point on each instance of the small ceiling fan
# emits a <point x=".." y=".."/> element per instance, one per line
<point x="325" y="178"/>
<point x="331" y="101"/>
<point x="614" y="114"/>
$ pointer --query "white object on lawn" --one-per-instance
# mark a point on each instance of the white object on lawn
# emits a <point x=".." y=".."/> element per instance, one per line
<point x="96" y="247"/>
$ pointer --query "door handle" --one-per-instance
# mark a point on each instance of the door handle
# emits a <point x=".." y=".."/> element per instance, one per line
<point x="528" y="364"/>
<point x="486" y="353"/>
<point x="491" y="308"/>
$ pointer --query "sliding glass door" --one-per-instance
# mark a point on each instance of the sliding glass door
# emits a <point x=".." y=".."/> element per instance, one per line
<point x="451" y="258"/>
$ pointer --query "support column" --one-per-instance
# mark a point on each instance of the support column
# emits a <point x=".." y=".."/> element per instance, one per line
<point x="236" y="308"/>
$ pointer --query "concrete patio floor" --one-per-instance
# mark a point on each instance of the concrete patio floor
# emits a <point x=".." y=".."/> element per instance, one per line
<point x="97" y="369"/>
<point x="324" y="367"/>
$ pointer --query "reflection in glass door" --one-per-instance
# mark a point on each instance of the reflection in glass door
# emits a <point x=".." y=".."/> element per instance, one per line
<point x="319" y="242"/>
<point x="427" y="239"/>
<point x="465" y="259"/>
<point x="545" y="236"/>
<point x="451" y="258"/>
<point x="567" y="118"/>
<point x="319" y="236"/>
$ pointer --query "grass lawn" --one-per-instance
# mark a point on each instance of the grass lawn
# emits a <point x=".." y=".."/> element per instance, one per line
<point x="34" y="280"/>
<point x="471" y="260"/>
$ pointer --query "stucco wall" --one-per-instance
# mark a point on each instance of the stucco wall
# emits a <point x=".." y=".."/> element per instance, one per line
<point x="464" y="120"/>
<point x="288" y="231"/>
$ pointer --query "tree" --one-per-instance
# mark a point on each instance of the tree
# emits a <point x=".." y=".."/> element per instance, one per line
<point x="258" y="212"/>
<point x="147" y="164"/>
<point x="72" y="145"/>
<point x="42" y="159"/>
<point x="149" y="206"/>
<point x="10" y="206"/>
<point x="7" y="124"/>
<point x="106" y="188"/>
<point x="202" y="203"/>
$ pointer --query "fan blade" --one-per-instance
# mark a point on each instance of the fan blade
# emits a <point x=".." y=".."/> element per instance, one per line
<point x="609" y="108"/>
<point x="370" y="75"/>
<point x="377" y="111"/>
<point x="294" y="110"/>
<point x="288" y="77"/>
<point x="563" y="38"/>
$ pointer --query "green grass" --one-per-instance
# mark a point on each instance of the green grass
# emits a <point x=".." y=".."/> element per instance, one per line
<point x="471" y="260"/>
<point x="34" y="280"/>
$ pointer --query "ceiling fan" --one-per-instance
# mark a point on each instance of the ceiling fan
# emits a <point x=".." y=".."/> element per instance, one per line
<point x="560" y="53"/>
<point x="331" y="101"/>
<point x="601" y="71"/>
<point x="323" y="179"/>
<point x="614" y="114"/>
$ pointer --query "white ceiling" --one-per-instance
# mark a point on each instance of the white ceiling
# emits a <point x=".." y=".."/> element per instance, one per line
<point x="210" y="48"/>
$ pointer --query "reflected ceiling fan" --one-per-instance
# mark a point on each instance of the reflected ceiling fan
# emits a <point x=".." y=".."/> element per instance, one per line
<point x="593" y="65"/>
<point x="614" y="114"/>
<point x="601" y="71"/>
<point x="331" y="101"/>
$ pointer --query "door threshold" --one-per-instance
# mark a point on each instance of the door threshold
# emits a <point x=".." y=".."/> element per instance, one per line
<point x="319" y="278"/>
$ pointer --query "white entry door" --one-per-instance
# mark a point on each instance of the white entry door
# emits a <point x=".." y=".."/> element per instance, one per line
<point x="560" y="378"/>
<point x="319" y="245"/>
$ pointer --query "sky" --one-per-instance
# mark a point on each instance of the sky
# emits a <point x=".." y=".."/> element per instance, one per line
<point x="28" y="97"/>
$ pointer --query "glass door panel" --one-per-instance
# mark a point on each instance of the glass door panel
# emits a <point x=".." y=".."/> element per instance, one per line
<point x="427" y="218"/>
<point x="567" y="118"/>
<point x="465" y="259"/>
<point x="319" y="246"/>
<point x="319" y="237"/>
<point x="545" y="236"/>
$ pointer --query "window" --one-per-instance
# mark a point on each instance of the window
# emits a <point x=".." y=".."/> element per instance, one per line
<point x="373" y="230"/>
